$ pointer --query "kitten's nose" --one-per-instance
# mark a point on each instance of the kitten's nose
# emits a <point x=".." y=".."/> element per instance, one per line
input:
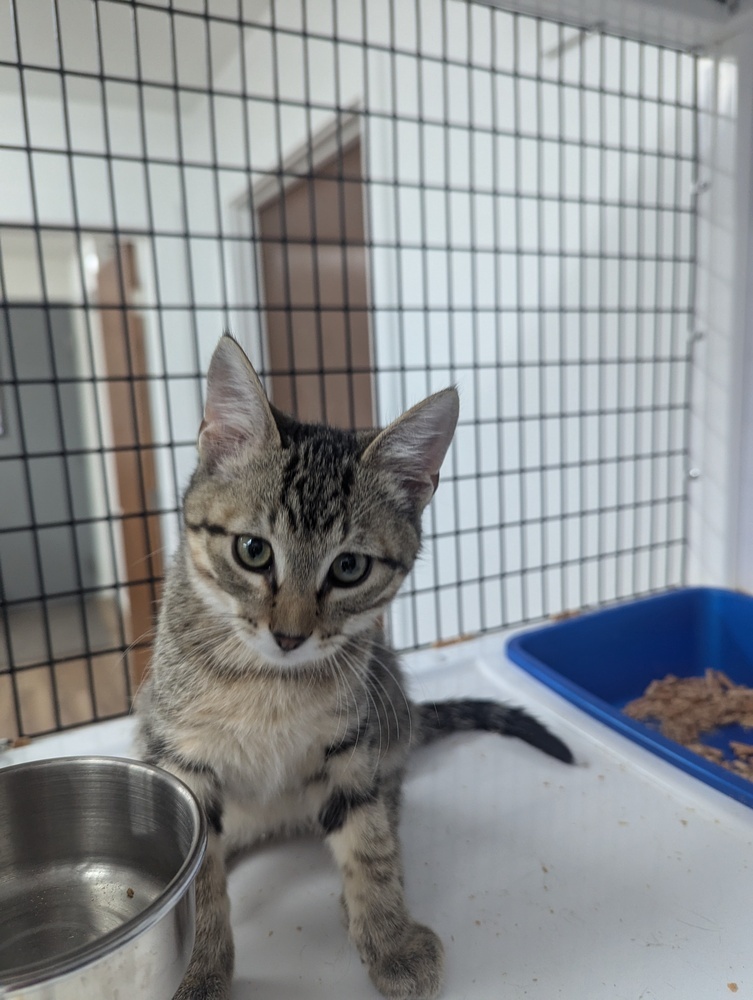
<point x="289" y="642"/>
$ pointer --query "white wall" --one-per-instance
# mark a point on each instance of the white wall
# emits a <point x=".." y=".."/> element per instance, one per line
<point x="512" y="270"/>
<point x="60" y="488"/>
<point x="720" y="547"/>
<point x="524" y="272"/>
<point x="743" y="460"/>
<point x="437" y="347"/>
<point x="721" y="498"/>
<point x="82" y="192"/>
<point x="713" y="373"/>
<point x="100" y="199"/>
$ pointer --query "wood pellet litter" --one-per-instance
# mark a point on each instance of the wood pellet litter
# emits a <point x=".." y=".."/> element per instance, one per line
<point x="686" y="707"/>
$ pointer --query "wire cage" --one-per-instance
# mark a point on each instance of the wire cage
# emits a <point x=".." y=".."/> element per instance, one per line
<point x="377" y="199"/>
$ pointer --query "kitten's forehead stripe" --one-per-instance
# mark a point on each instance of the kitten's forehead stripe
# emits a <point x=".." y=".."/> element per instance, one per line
<point x="318" y="478"/>
<point x="347" y="480"/>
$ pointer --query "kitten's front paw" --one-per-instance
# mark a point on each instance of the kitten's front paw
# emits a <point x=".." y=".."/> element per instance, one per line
<point x="414" y="971"/>
<point x="203" y="988"/>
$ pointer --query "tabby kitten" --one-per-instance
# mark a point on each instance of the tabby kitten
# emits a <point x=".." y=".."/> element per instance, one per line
<point x="273" y="693"/>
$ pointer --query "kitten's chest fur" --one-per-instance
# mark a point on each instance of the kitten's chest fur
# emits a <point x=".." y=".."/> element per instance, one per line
<point x="261" y="735"/>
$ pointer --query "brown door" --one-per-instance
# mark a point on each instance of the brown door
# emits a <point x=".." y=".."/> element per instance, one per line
<point x="127" y="369"/>
<point x="314" y="268"/>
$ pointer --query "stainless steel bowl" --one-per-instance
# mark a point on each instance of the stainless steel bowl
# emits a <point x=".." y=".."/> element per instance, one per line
<point x="97" y="864"/>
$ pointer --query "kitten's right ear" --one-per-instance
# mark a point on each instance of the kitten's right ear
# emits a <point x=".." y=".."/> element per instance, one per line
<point x="237" y="412"/>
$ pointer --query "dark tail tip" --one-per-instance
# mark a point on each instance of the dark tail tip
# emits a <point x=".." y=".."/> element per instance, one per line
<point x="526" y="728"/>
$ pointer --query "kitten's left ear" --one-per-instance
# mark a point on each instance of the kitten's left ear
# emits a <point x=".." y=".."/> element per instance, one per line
<point x="414" y="446"/>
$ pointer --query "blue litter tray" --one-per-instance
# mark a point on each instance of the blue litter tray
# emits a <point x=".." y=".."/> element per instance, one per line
<point x="602" y="660"/>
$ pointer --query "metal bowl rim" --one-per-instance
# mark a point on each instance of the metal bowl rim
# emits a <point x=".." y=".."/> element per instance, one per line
<point x="40" y="973"/>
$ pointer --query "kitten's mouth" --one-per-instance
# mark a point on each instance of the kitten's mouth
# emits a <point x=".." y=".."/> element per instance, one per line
<point x="305" y="656"/>
<point x="285" y="651"/>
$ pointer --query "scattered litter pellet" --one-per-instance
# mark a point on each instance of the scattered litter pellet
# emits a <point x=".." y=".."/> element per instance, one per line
<point x="441" y="643"/>
<point x="130" y="893"/>
<point x="732" y="987"/>
<point x="8" y="743"/>
<point x="687" y="707"/>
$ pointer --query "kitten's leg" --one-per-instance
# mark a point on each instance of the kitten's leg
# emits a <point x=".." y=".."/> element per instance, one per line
<point x="210" y="971"/>
<point x="404" y="958"/>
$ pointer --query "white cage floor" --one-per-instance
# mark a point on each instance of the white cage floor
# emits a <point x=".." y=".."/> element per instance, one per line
<point x="617" y="878"/>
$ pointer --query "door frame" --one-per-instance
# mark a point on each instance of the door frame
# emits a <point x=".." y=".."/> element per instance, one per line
<point x="333" y="138"/>
<point x="327" y="142"/>
<point x="140" y="546"/>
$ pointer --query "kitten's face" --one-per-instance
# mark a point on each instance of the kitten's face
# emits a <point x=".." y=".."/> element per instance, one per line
<point x="298" y="535"/>
<point x="298" y="544"/>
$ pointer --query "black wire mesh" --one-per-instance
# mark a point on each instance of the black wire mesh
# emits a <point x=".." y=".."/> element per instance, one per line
<point x="377" y="199"/>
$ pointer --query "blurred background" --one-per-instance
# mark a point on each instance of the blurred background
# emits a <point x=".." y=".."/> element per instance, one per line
<point x="377" y="199"/>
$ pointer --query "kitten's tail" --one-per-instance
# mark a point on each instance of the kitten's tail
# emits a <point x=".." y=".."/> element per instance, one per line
<point x="443" y="717"/>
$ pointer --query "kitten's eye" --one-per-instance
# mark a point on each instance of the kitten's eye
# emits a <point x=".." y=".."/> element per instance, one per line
<point x="348" y="569"/>
<point x="253" y="553"/>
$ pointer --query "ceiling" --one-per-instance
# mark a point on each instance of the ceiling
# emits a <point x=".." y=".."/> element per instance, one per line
<point x="684" y="24"/>
<point x="173" y="41"/>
